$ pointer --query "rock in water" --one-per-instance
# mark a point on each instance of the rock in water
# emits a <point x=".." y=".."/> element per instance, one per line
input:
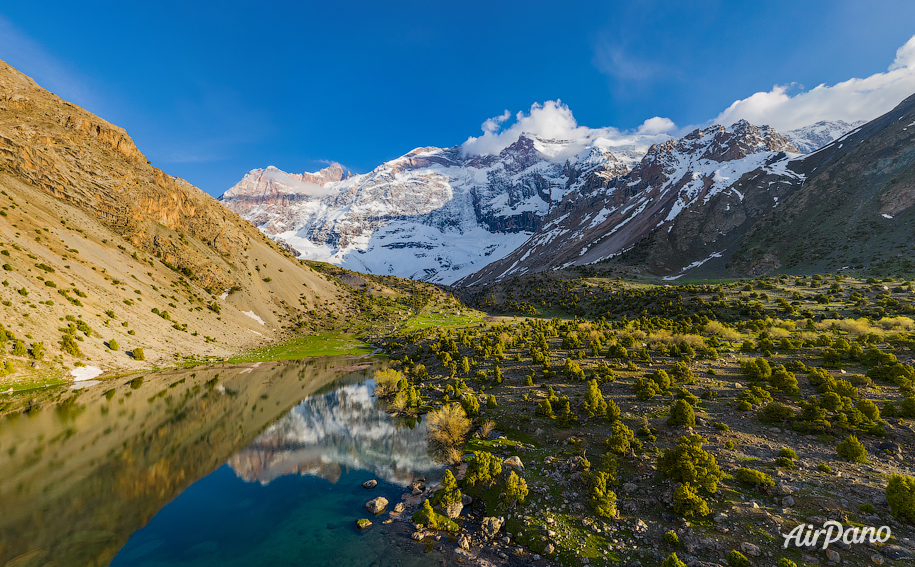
<point x="399" y="507"/>
<point x="363" y="523"/>
<point x="370" y="484"/>
<point x="491" y="526"/>
<point x="377" y="505"/>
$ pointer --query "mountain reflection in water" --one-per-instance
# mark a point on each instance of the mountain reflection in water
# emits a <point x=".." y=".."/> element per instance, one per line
<point x="341" y="430"/>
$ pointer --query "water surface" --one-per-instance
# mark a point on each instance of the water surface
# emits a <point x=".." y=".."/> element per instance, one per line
<point x="225" y="465"/>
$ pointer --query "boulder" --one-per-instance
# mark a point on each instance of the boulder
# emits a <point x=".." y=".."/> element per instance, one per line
<point x="377" y="505"/>
<point x="463" y="541"/>
<point x="548" y="550"/>
<point x="894" y="552"/>
<point x="749" y="549"/>
<point x="399" y="507"/>
<point x="514" y="463"/>
<point x="453" y="510"/>
<point x="491" y="526"/>
<point x="788" y="501"/>
<point x="363" y="523"/>
<point x="833" y="555"/>
<point x="370" y="484"/>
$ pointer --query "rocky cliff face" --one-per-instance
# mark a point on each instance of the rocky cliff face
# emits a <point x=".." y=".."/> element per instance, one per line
<point x="80" y="199"/>
<point x="590" y="227"/>
<point x="438" y="215"/>
<point x="433" y="214"/>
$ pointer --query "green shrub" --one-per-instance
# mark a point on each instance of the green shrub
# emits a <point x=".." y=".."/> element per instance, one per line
<point x="784" y="463"/>
<point x="37" y="352"/>
<point x="544" y="408"/>
<point x="672" y="560"/>
<point x="681" y="414"/>
<point x="621" y="438"/>
<point x="758" y="369"/>
<point x="600" y="497"/>
<point x="137" y="354"/>
<point x="775" y="412"/>
<point x="491" y="402"/>
<point x="483" y="468"/>
<point x="449" y="493"/>
<point x="660" y="378"/>
<point x="900" y="493"/>
<point x="787" y="453"/>
<point x="737" y="559"/>
<point x="113" y="344"/>
<point x="19" y="348"/>
<point x="824" y="468"/>
<point x="432" y="520"/>
<point x="645" y="389"/>
<point x="471" y="405"/>
<point x="753" y="477"/>
<point x="785" y="562"/>
<point x="729" y="445"/>
<point x="515" y="489"/>
<point x="687" y="502"/>
<point x="613" y="411"/>
<point x="671" y="538"/>
<point x="784" y="381"/>
<point x="852" y="450"/>
<point x="721" y="426"/>
<point x="689" y="463"/>
<point x="595" y="404"/>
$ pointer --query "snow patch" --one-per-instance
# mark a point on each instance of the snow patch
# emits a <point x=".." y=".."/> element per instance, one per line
<point x="254" y="316"/>
<point x="81" y="373"/>
<point x="695" y="264"/>
<point x="886" y="216"/>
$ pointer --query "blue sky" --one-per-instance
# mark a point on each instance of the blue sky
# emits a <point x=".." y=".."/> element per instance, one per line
<point x="210" y="90"/>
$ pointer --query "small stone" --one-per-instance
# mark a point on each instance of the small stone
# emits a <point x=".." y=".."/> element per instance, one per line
<point x="363" y="523"/>
<point x="377" y="505"/>
<point x="877" y="559"/>
<point x="548" y="550"/>
<point x="833" y="555"/>
<point x="788" y="501"/>
<point x="370" y="484"/>
<point x="721" y="518"/>
<point x="417" y="536"/>
<point x="399" y="508"/>
<point x="749" y="549"/>
<point x="629" y="488"/>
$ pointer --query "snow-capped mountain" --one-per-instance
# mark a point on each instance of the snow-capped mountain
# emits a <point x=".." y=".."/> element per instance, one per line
<point x="341" y="430"/>
<point x="815" y="136"/>
<point x="606" y="216"/>
<point x="433" y="214"/>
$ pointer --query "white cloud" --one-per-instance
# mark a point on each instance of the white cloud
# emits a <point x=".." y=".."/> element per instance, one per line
<point x="851" y="100"/>
<point x="553" y="120"/>
<point x="657" y="125"/>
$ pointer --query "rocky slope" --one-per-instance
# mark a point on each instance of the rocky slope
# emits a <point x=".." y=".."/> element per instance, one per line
<point x="611" y="215"/>
<point x="89" y="230"/>
<point x="439" y="215"/>
<point x="815" y="136"/>
<point x="433" y="214"/>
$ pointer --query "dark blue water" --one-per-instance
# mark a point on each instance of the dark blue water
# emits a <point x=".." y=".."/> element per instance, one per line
<point x="292" y="497"/>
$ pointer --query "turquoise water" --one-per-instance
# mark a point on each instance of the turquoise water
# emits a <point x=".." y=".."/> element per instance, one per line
<point x="224" y="465"/>
<point x="292" y="497"/>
